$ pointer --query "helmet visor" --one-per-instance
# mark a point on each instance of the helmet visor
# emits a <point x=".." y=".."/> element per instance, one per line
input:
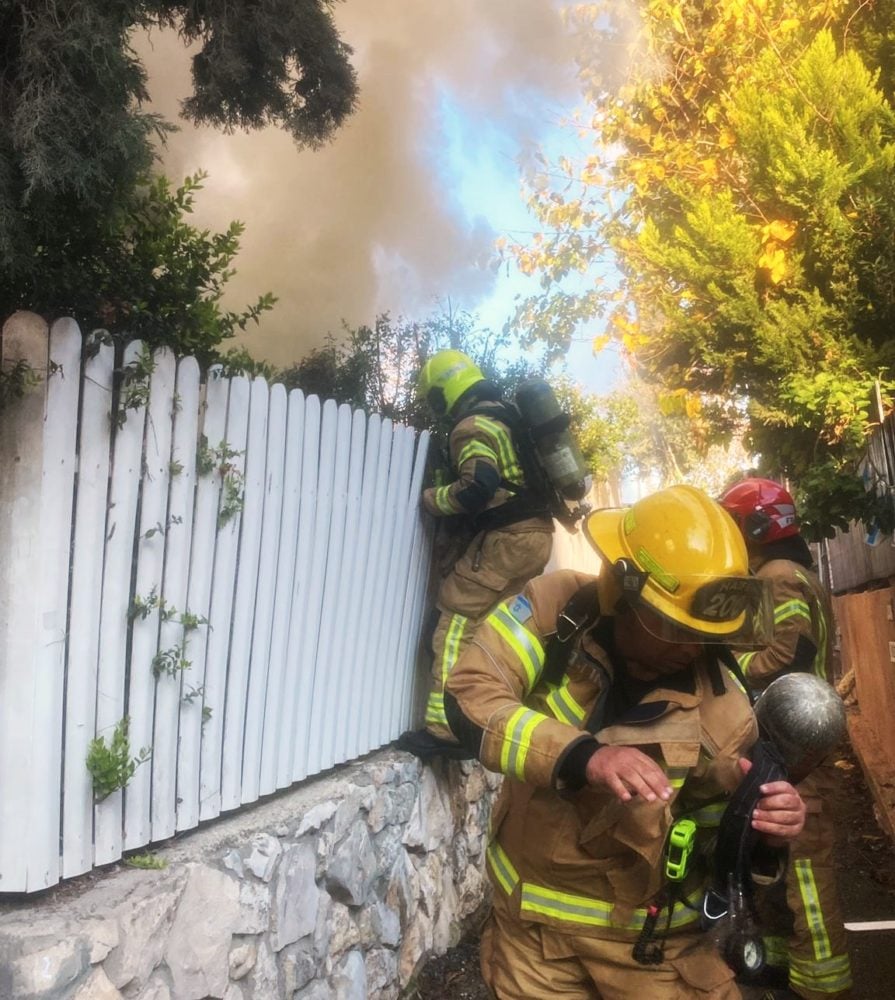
<point x="736" y="610"/>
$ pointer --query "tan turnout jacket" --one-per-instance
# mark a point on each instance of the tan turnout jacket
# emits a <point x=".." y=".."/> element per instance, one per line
<point x="577" y="859"/>
<point x="803" y="623"/>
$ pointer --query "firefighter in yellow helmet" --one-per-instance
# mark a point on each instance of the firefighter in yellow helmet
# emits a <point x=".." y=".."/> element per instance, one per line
<point x="608" y="705"/>
<point x="816" y="951"/>
<point x="505" y="535"/>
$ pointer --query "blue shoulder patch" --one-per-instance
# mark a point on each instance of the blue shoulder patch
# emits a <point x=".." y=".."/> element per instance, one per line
<point x="520" y="608"/>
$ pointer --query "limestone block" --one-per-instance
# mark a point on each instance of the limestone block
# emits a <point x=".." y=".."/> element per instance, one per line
<point x="388" y="848"/>
<point x="316" y="817"/>
<point x="323" y="928"/>
<point x="475" y="786"/>
<point x="344" y="932"/>
<point x="156" y="989"/>
<point x="402" y="892"/>
<point x="242" y="960"/>
<point x="416" y="946"/>
<point x="350" y="978"/>
<point x="199" y="943"/>
<point x="263" y="983"/>
<point x="299" y="967"/>
<point x="430" y="823"/>
<point x="351" y="867"/>
<point x="254" y="908"/>
<point x="97" y="987"/>
<point x="296" y="896"/>
<point x="266" y="851"/>
<point x="232" y="860"/>
<point x="45" y="966"/>
<point x="356" y="802"/>
<point x="379" y="924"/>
<point x="382" y="970"/>
<point x="316" y="991"/>
<point x="145" y="919"/>
<point x="471" y="890"/>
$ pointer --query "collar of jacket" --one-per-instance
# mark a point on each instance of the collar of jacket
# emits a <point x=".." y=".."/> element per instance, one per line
<point x="609" y="660"/>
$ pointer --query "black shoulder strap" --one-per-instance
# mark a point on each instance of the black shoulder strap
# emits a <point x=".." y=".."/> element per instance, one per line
<point x="580" y="611"/>
<point x="725" y="655"/>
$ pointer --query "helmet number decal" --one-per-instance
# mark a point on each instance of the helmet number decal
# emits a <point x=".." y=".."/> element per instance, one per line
<point x="724" y="600"/>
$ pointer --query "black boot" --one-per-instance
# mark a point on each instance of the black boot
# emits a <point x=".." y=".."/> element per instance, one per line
<point x="423" y="744"/>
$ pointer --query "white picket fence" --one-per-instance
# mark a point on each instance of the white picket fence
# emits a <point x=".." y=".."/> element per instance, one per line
<point x="300" y="553"/>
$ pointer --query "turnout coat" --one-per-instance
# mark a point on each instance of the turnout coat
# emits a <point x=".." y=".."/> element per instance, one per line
<point x="562" y="853"/>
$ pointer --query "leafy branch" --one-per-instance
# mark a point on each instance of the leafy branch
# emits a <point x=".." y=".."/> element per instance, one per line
<point x="111" y="765"/>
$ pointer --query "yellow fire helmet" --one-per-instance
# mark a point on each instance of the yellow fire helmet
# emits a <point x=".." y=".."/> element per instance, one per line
<point x="445" y="377"/>
<point x="680" y="554"/>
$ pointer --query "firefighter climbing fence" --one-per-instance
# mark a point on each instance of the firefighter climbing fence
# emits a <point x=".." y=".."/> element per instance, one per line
<point x="234" y="572"/>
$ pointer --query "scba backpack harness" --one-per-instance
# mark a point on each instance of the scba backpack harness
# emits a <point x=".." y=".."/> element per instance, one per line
<point x="556" y="478"/>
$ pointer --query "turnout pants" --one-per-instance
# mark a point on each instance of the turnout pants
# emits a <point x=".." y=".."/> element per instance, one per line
<point x="819" y="967"/>
<point x="530" y="961"/>
<point x="494" y="566"/>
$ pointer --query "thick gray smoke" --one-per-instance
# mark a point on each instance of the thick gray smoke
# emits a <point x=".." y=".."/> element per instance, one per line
<point x="371" y="223"/>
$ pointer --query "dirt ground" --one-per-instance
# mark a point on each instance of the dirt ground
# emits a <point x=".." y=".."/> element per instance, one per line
<point x="866" y="861"/>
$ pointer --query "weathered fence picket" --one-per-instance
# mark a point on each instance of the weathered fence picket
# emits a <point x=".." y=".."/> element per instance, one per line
<point x="86" y="607"/>
<point x="293" y="529"/>
<point x="269" y="568"/>
<point x="247" y="577"/>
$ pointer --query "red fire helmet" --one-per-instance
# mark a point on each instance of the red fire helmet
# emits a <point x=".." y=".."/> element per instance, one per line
<point x="763" y="509"/>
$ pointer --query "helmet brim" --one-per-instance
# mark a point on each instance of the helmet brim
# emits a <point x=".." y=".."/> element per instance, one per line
<point x="604" y="531"/>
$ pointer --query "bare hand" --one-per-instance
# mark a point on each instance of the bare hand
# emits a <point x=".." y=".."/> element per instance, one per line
<point x="627" y="771"/>
<point x="780" y="813"/>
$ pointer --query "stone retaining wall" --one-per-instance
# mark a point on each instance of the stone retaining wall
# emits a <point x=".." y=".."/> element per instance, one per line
<point x="339" y="889"/>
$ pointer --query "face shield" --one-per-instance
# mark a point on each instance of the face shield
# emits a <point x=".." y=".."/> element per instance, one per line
<point x="736" y="610"/>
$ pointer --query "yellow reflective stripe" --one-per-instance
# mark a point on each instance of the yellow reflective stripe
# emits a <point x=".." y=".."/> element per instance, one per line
<point x="833" y="975"/>
<point x="813" y="913"/>
<point x="736" y="679"/>
<point x="668" y="581"/>
<point x="517" y="741"/>
<point x="586" y="910"/>
<point x="708" y="815"/>
<point x="776" y="950"/>
<point x="449" y="656"/>
<point x="525" y="644"/>
<point x="820" y="661"/>
<point x="452" y="641"/>
<point x="443" y="500"/>
<point x="508" y="463"/>
<point x="676" y="776"/>
<point x="564" y="706"/>
<point x="796" y="608"/>
<point x="435" y="708"/>
<point x="744" y="662"/>
<point x="477" y="449"/>
<point x="502" y="868"/>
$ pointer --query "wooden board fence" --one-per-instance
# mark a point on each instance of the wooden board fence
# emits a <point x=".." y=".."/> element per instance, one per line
<point x="234" y="573"/>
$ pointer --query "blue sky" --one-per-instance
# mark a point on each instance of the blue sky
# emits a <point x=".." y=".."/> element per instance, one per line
<point x="480" y="167"/>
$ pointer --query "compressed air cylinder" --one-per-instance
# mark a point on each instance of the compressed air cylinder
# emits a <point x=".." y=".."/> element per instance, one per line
<point x="804" y="718"/>
<point x="556" y="448"/>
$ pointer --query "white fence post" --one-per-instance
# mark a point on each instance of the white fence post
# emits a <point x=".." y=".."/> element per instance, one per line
<point x="94" y="432"/>
<point x="245" y="589"/>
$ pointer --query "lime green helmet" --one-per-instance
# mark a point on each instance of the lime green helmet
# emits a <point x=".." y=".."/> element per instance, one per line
<point x="445" y="377"/>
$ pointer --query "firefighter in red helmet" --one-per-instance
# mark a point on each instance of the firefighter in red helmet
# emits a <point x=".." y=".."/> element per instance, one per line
<point x="815" y="951"/>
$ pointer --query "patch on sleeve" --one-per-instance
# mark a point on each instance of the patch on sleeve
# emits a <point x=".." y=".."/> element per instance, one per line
<point x="520" y="608"/>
